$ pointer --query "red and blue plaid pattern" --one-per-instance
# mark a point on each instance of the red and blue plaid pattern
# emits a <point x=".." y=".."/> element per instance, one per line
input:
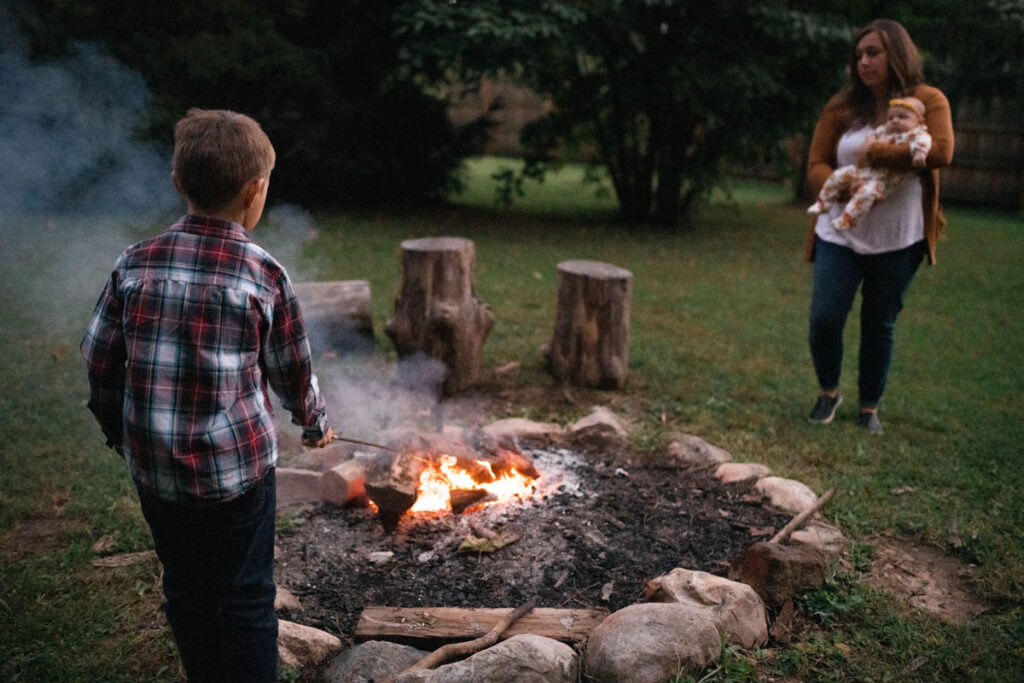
<point x="190" y="329"/>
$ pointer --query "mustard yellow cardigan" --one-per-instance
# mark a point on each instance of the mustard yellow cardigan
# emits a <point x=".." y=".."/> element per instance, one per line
<point x="836" y="120"/>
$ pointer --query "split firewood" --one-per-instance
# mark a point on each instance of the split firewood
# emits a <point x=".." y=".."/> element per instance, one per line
<point x="797" y="521"/>
<point x="464" y="498"/>
<point x="453" y="650"/>
<point x="397" y="491"/>
<point x="341" y="484"/>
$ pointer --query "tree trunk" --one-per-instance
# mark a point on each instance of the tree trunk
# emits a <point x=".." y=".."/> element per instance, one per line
<point x="437" y="312"/>
<point x="590" y="345"/>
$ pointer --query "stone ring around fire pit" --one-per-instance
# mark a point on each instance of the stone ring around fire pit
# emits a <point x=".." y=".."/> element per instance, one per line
<point x="646" y="544"/>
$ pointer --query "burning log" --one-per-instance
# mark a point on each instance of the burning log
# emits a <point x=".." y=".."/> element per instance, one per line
<point x="396" y="492"/>
<point x="590" y="345"/>
<point x="464" y="498"/>
<point x="437" y="311"/>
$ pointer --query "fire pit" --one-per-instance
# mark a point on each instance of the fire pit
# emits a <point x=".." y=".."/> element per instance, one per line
<point x="590" y="529"/>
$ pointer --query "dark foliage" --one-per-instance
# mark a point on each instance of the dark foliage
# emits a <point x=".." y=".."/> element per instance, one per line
<point x="319" y="76"/>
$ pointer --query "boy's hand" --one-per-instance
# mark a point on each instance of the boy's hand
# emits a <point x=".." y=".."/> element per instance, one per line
<point x="323" y="441"/>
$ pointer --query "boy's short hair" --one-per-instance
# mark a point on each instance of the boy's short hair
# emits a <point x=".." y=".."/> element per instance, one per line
<point x="216" y="152"/>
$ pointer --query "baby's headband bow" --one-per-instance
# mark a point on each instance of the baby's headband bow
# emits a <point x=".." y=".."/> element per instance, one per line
<point x="906" y="104"/>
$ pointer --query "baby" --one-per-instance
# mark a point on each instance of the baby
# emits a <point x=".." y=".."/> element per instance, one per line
<point x="904" y="125"/>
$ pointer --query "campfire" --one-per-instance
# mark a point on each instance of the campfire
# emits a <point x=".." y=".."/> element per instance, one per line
<point x="441" y="474"/>
<point x="446" y="486"/>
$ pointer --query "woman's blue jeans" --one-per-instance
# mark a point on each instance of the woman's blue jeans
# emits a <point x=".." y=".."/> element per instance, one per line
<point x="838" y="272"/>
<point x="219" y="583"/>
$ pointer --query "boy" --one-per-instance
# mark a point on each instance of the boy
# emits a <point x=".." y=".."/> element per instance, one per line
<point x="190" y="329"/>
<point x="904" y="124"/>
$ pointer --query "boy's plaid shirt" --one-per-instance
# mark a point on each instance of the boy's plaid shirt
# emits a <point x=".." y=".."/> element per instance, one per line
<point x="189" y="330"/>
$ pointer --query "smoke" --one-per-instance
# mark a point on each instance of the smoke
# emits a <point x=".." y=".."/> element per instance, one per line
<point x="69" y="137"/>
<point x="77" y="186"/>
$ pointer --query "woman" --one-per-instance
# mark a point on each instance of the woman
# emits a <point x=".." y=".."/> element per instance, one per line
<point x="885" y="248"/>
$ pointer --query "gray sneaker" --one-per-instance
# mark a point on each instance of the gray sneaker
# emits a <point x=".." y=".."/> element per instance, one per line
<point x="870" y="422"/>
<point x="825" y="409"/>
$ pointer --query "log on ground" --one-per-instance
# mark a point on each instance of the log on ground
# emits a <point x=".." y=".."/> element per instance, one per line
<point x="433" y="626"/>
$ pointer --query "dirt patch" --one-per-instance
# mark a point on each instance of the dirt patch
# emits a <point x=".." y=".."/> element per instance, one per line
<point x="41" y="533"/>
<point x="925" y="579"/>
<point x="593" y="540"/>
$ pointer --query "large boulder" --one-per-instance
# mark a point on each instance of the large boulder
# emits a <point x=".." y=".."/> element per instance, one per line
<point x="652" y="643"/>
<point x="527" y="657"/>
<point x="735" y="607"/>
<point x="375" y="660"/>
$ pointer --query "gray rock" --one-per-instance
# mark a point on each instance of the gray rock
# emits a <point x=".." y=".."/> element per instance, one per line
<point x="372" y="661"/>
<point x="600" y="425"/>
<point x="518" y="428"/>
<point x="524" y="658"/>
<point x="690" y="450"/>
<point x="285" y="599"/>
<point x="297" y="487"/>
<point x="786" y="494"/>
<point x="821" y="536"/>
<point x="652" y="643"/>
<point x="735" y="607"/>
<point x="299" y="645"/>
<point x="730" y="472"/>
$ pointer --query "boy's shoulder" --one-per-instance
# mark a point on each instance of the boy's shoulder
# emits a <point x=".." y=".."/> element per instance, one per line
<point x="196" y="245"/>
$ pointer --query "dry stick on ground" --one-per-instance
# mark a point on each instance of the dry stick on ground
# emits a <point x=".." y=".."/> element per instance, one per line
<point x="795" y="523"/>
<point x="443" y="654"/>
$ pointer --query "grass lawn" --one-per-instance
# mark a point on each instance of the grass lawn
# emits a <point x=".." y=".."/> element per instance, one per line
<point x="718" y="349"/>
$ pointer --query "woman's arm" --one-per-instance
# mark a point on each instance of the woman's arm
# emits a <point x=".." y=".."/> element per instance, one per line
<point x="821" y="155"/>
<point x="940" y="126"/>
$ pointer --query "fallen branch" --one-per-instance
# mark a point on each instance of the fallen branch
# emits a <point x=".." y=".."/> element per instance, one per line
<point x="795" y="523"/>
<point x="443" y="654"/>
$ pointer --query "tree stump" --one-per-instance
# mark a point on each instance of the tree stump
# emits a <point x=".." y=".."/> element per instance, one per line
<point x="437" y="312"/>
<point x="590" y="345"/>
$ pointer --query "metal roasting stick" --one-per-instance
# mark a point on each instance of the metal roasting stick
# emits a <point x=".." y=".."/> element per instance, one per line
<point x="362" y="443"/>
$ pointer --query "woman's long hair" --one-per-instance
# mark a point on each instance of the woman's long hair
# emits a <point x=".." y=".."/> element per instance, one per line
<point x="905" y="68"/>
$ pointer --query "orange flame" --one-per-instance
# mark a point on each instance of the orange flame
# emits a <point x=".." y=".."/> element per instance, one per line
<point x="437" y="481"/>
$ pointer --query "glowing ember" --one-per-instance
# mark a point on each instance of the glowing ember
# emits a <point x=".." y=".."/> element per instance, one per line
<point x="439" y="479"/>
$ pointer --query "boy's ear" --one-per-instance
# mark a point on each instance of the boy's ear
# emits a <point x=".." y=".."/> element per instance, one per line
<point x="252" y="190"/>
<point x="177" y="183"/>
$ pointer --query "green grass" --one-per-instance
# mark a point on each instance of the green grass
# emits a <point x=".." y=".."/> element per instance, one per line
<point x="718" y="348"/>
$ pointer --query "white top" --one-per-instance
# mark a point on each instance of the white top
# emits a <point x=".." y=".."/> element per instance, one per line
<point x="894" y="223"/>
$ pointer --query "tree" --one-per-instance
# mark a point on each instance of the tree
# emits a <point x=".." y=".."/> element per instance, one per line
<point x="666" y="90"/>
<point x="319" y="76"/>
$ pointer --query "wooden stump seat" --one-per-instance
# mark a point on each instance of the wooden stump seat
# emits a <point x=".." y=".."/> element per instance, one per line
<point x="437" y="311"/>
<point x="590" y="345"/>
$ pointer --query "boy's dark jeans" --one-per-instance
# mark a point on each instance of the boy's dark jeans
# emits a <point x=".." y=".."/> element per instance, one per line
<point x="838" y="272"/>
<point x="219" y="584"/>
